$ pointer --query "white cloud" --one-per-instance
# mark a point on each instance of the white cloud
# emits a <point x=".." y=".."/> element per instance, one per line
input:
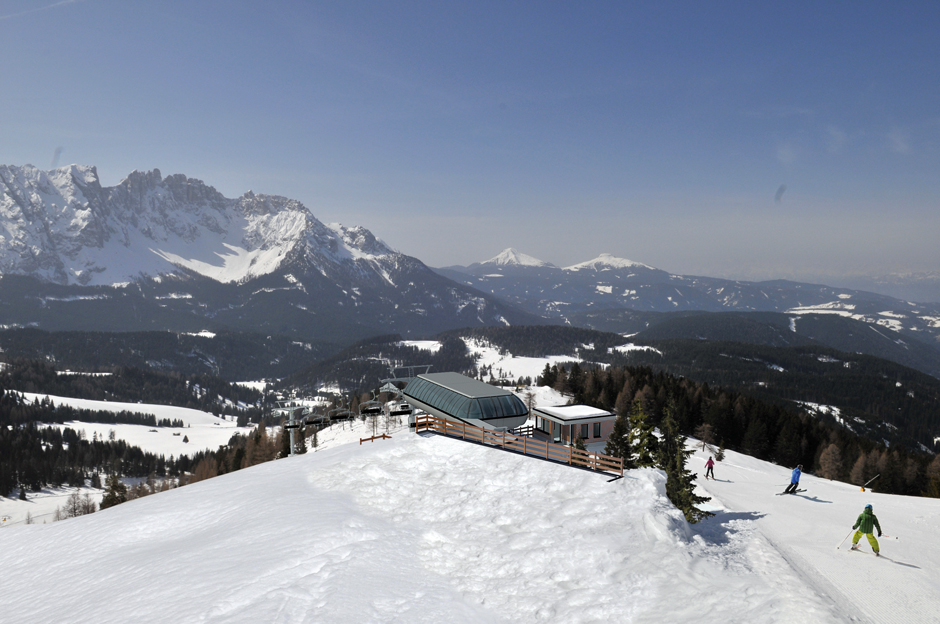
<point x="36" y="10"/>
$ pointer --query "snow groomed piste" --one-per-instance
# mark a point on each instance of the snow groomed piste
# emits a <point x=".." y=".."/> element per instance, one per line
<point x="431" y="529"/>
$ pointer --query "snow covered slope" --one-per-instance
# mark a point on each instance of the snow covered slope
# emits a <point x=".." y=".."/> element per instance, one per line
<point x="427" y="529"/>
<point x="76" y="255"/>
<point x="202" y="430"/>
<point x="901" y="586"/>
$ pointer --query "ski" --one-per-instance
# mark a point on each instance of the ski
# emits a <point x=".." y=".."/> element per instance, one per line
<point x="794" y="492"/>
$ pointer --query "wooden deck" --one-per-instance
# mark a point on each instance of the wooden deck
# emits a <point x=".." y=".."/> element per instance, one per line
<point x="527" y="446"/>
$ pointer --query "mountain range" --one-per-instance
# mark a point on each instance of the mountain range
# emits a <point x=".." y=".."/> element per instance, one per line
<point x="172" y="253"/>
<point x="156" y="253"/>
<point x="619" y="295"/>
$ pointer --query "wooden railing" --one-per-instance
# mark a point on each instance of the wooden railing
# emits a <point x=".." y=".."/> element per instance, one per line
<point x="523" y="432"/>
<point x="376" y="437"/>
<point x="526" y="446"/>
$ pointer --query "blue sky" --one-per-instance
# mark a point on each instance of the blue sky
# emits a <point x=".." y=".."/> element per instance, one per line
<point x="659" y="132"/>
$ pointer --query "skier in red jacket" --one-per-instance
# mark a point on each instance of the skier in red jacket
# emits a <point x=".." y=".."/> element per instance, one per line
<point x="710" y="468"/>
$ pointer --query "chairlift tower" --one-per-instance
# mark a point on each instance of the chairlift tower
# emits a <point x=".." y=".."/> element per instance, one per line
<point x="289" y="409"/>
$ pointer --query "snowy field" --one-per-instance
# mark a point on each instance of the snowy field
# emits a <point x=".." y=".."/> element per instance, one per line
<point x="40" y="506"/>
<point x="503" y="365"/>
<point x="428" y="529"/>
<point x="204" y="430"/>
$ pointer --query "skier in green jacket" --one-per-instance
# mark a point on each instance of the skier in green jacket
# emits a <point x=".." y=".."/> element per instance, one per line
<point x="867" y="520"/>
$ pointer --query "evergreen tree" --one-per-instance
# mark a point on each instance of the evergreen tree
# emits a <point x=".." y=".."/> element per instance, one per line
<point x="642" y="438"/>
<point x="579" y="444"/>
<point x="680" y="488"/>
<point x="22" y="492"/>
<point x="618" y="443"/>
<point x="115" y="492"/>
<point x="720" y="455"/>
<point x="671" y="457"/>
<point x="548" y="376"/>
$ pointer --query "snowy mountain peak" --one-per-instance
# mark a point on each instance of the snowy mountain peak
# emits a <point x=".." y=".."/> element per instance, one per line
<point x="607" y="261"/>
<point x="62" y="226"/>
<point x="511" y="257"/>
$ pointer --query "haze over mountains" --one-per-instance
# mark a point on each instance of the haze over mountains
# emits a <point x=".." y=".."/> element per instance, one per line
<point x="171" y="253"/>
<point x="611" y="294"/>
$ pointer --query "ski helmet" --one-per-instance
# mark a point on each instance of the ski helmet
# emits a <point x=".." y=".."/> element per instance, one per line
<point x="868" y="507"/>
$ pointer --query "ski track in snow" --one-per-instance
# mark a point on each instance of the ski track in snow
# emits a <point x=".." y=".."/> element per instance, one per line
<point x="902" y="586"/>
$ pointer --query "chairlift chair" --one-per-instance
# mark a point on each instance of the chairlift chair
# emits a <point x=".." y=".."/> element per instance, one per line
<point x="372" y="407"/>
<point x="339" y="413"/>
<point x="401" y="409"/>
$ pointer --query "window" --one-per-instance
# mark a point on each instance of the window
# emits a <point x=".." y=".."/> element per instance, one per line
<point x="474" y="409"/>
<point x="597" y="430"/>
<point x="489" y="408"/>
<point x="510" y="408"/>
<point x="584" y="432"/>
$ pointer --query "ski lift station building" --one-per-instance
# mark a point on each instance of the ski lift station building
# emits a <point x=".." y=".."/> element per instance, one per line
<point x="461" y="398"/>
<point x="563" y="424"/>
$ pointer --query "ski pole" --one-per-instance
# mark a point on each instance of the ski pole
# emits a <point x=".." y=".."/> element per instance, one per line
<point x="843" y="540"/>
<point x="870" y="480"/>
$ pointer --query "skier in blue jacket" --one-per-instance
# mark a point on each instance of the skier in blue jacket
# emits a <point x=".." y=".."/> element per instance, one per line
<point x="794" y="480"/>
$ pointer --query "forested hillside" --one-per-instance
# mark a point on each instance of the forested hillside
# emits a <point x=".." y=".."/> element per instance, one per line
<point x="234" y="356"/>
<point x="360" y="367"/>
<point x="731" y="419"/>
<point x="135" y="385"/>
<point x="875" y="397"/>
<point x="33" y="456"/>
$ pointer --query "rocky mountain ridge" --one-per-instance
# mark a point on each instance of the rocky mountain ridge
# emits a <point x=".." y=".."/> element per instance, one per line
<point x="171" y="252"/>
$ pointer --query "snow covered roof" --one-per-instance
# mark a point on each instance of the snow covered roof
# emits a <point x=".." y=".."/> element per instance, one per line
<point x="566" y="414"/>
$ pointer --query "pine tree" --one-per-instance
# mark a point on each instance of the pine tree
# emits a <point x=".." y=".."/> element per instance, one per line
<point x="680" y="488"/>
<point x="618" y="443"/>
<point x="671" y="457"/>
<point x="579" y="444"/>
<point x="720" y="455"/>
<point x="642" y="438"/>
<point x="115" y="493"/>
<point x="22" y="492"/>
